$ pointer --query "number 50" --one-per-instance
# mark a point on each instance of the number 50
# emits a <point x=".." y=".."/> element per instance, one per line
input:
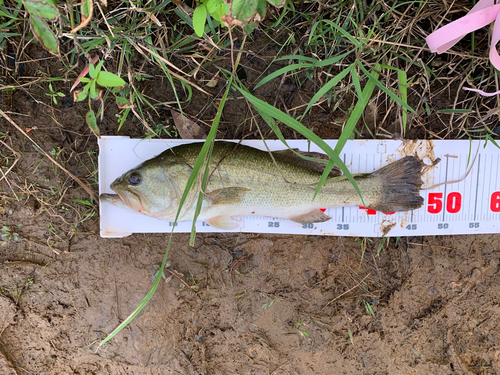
<point x="453" y="203"/>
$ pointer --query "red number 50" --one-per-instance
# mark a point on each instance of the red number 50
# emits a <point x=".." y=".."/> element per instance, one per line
<point x="453" y="202"/>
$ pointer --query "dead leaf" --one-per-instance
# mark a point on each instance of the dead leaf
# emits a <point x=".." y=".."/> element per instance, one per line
<point x="213" y="82"/>
<point x="187" y="128"/>
<point x="230" y="21"/>
<point x="87" y="9"/>
<point x="84" y="73"/>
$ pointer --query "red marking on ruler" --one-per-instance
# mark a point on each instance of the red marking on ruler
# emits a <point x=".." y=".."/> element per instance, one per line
<point x="369" y="211"/>
<point x="495" y="202"/>
<point x="453" y="202"/>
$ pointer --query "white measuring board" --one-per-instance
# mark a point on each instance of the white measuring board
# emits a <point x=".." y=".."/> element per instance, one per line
<point x="470" y="206"/>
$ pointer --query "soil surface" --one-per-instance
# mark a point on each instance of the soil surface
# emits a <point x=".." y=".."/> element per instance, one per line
<point x="256" y="304"/>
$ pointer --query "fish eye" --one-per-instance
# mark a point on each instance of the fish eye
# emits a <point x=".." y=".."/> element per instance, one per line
<point x="134" y="178"/>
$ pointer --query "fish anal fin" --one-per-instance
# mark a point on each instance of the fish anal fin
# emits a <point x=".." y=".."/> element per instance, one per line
<point x="316" y="216"/>
<point x="230" y="195"/>
<point x="223" y="222"/>
<point x="315" y="165"/>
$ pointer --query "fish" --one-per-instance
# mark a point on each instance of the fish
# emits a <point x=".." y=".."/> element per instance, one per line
<point x="245" y="181"/>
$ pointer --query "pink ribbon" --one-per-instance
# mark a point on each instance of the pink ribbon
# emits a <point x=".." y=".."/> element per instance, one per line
<point x="482" y="14"/>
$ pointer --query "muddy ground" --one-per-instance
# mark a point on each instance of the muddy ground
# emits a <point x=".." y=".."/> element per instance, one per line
<point x="263" y="304"/>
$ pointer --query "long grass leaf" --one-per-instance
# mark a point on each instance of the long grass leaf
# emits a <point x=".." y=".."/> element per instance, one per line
<point x="200" y="161"/>
<point x="311" y="60"/>
<point x="386" y="90"/>
<point x="348" y="36"/>
<point x="357" y="112"/>
<point x="355" y="81"/>
<point x="281" y="71"/>
<point x="403" y="89"/>
<point x="298" y="127"/>
<point x="331" y="60"/>
<point x="145" y="300"/>
<point x="275" y="128"/>
<point x="327" y="87"/>
<point x="206" y="154"/>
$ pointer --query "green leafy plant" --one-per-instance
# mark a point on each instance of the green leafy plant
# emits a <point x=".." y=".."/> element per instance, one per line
<point x="244" y="13"/>
<point x="92" y="90"/>
<point x="54" y="95"/>
<point x="9" y="234"/>
<point x="216" y="8"/>
<point x="301" y="331"/>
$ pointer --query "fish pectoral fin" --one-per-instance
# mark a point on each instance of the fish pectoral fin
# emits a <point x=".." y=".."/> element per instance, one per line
<point x="316" y="216"/>
<point x="223" y="222"/>
<point x="230" y="195"/>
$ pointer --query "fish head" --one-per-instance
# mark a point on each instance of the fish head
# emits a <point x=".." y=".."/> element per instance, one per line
<point x="151" y="189"/>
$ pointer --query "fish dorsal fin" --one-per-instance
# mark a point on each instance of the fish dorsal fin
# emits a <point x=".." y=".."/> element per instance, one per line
<point x="317" y="166"/>
<point x="230" y="195"/>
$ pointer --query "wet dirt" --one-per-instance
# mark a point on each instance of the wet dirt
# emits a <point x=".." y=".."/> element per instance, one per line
<point x="262" y="304"/>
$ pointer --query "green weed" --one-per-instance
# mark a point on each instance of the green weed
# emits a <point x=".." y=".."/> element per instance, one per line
<point x="9" y="233"/>
<point x="54" y="95"/>
<point x="92" y="90"/>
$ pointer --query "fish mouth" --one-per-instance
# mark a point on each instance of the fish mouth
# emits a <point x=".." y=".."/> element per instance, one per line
<point x="111" y="198"/>
<point x="123" y="200"/>
<point x="114" y="199"/>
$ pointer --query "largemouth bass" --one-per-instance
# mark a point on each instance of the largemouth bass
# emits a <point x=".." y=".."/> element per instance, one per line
<point x="245" y="181"/>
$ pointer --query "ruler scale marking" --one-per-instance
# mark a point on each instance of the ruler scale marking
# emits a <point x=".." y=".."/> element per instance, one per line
<point x="483" y="187"/>
<point x="494" y="187"/>
<point x="477" y="184"/>
<point x="343" y="209"/>
<point x="445" y="186"/>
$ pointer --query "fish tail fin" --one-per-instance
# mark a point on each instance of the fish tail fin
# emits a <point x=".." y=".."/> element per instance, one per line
<point x="400" y="185"/>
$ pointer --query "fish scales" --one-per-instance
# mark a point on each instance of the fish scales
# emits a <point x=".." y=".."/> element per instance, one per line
<point x="282" y="186"/>
<point x="245" y="181"/>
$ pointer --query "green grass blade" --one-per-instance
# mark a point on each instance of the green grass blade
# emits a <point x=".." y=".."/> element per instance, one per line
<point x="346" y="35"/>
<point x="355" y="81"/>
<point x="205" y="155"/>
<point x="357" y="112"/>
<point x="145" y="300"/>
<point x="385" y="89"/>
<point x="331" y="60"/>
<point x="327" y="87"/>
<point x="298" y="127"/>
<point x="281" y="71"/>
<point x="200" y="161"/>
<point x="454" y="111"/>
<point x="403" y="89"/>
<point x="272" y="124"/>
<point x="311" y="60"/>
<point x="311" y="63"/>
<point x="489" y="138"/>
